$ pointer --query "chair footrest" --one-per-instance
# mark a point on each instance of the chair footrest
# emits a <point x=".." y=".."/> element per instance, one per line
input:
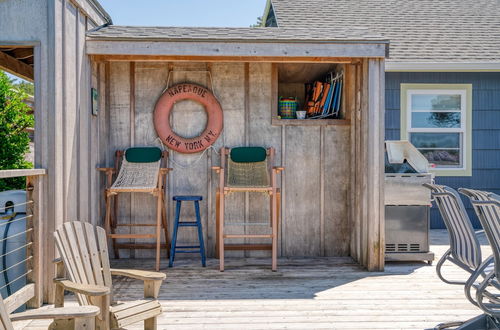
<point x="249" y="236"/>
<point x="242" y="224"/>
<point x="256" y="247"/>
<point x="188" y="247"/>
<point x="140" y="246"/>
<point x="187" y="251"/>
<point x="136" y="225"/>
<point x="132" y="235"/>
<point x="188" y="224"/>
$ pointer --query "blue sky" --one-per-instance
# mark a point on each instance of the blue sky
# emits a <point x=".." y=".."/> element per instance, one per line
<point x="234" y="13"/>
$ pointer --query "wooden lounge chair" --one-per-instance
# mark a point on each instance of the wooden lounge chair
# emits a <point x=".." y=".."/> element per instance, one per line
<point x="139" y="171"/>
<point x="84" y="253"/>
<point x="80" y="317"/>
<point x="248" y="170"/>
<point x="487" y="207"/>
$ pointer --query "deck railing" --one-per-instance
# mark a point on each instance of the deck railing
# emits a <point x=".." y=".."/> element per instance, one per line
<point x="31" y="293"/>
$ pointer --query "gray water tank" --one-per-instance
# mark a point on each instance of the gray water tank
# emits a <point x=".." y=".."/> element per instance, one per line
<point x="14" y="273"/>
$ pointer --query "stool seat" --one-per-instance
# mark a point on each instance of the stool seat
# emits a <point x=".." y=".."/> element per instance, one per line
<point x="187" y="198"/>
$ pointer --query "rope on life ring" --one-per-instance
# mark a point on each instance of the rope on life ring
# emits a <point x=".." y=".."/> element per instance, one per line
<point x="164" y="108"/>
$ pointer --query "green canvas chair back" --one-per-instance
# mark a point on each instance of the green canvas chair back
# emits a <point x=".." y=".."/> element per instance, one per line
<point x="247" y="168"/>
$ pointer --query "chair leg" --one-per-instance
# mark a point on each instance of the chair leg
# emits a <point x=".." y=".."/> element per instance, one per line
<point x="174" y="234"/>
<point x="221" y="232"/>
<point x="274" y="247"/>
<point x="84" y="323"/>
<point x="165" y="225"/>
<point x="150" y="324"/>
<point x="217" y="220"/>
<point x="200" y="233"/>
<point x="158" y="229"/>
<point x="107" y="222"/>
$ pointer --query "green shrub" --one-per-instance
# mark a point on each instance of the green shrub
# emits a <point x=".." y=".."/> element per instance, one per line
<point x="15" y="117"/>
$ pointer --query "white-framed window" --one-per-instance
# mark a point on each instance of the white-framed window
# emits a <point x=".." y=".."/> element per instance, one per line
<point x="436" y="119"/>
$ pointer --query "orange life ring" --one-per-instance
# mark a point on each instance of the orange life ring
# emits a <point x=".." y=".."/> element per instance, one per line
<point x="164" y="107"/>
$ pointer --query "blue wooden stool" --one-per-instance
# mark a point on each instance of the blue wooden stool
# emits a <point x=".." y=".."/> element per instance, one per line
<point x="187" y="248"/>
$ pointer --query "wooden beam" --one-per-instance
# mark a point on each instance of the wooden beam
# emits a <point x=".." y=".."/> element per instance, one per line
<point x="173" y="58"/>
<point x="237" y="49"/>
<point x="16" y="67"/>
<point x="22" y="172"/>
<point x="21" y="53"/>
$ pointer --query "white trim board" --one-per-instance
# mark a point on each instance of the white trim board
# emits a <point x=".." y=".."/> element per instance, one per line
<point x="441" y="67"/>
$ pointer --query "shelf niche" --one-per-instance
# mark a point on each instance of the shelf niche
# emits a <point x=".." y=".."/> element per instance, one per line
<point x="289" y="81"/>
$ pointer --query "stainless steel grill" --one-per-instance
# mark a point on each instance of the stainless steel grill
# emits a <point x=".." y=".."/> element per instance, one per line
<point x="407" y="203"/>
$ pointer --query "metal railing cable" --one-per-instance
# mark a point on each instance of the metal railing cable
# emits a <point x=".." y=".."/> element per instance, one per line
<point x="16" y="249"/>
<point x="16" y="235"/>
<point x="16" y="264"/>
<point x="14" y="205"/>
<point x="16" y="279"/>
<point x="15" y="220"/>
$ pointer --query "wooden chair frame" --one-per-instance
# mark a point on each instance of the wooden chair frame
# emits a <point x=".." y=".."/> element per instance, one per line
<point x="275" y="196"/>
<point x="84" y="270"/>
<point x="77" y="318"/>
<point x="111" y="218"/>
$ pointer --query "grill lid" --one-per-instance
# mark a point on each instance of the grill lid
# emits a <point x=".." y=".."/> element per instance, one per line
<point x="403" y="157"/>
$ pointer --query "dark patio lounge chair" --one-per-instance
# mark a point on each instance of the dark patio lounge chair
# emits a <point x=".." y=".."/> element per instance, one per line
<point x="487" y="207"/>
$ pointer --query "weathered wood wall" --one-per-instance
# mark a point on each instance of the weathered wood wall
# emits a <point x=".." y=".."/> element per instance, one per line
<point x="314" y="185"/>
<point x="66" y="133"/>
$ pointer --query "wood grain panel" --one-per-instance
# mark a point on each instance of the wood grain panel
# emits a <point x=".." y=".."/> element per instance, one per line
<point x="150" y="80"/>
<point x="119" y="131"/>
<point x="70" y="113"/>
<point x="261" y="133"/>
<point x="229" y="88"/>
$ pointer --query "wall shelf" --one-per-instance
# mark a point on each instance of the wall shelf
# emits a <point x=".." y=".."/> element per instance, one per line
<point x="275" y="121"/>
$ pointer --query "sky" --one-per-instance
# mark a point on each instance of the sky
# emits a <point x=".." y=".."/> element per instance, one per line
<point x="202" y="13"/>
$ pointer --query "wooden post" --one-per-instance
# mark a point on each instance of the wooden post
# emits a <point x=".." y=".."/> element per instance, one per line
<point x="375" y="165"/>
<point x="33" y="222"/>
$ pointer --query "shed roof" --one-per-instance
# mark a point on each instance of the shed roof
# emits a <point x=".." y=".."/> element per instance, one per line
<point x="443" y="31"/>
<point x="258" y="34"/>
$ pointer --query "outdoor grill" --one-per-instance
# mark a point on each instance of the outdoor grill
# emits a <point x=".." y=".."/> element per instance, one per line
<point x="407" y="203"/>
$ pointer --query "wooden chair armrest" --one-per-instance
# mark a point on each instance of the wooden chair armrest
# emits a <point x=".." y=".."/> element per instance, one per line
<point x="165" y="170"/>
<point x="142" y="275"/>
<point x="217" y="169"/>
<point x="106" y="169"/>
<point x="86" y="289"/>
<point x="278" y="169"/>
<point x="57" y="313"/>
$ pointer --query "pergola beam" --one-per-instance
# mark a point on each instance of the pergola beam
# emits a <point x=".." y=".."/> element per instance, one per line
<point x="16" y="67"/>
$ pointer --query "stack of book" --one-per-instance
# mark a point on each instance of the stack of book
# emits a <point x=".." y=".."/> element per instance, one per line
<point x="323" y="97"/>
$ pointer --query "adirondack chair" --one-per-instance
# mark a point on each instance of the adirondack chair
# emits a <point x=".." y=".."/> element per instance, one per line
<point x="81" y="317"/>
<point x="138" y="170"/>
<point x="84" y="253"/>
<point x="465" y="250"/>
<point x="487" y="208"/>
<point x="248" y="170"/>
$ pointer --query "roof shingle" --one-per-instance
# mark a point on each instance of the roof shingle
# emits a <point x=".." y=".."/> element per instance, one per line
<point x="418" y="30"/>
<point x="320" y="34"/>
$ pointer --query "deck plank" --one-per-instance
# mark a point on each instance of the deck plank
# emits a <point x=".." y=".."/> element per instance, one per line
<point x="319" y="293"/>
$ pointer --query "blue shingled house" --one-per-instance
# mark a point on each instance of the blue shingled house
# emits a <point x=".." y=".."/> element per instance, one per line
<point x="442" y="77"/>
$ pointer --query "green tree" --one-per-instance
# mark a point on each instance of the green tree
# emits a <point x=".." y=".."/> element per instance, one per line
<point x="26" y="87"/>
<point x="258" y="23"/>
<point x="14" y="140"/>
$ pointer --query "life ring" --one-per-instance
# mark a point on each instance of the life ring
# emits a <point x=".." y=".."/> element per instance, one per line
<point x="164" y="107"/>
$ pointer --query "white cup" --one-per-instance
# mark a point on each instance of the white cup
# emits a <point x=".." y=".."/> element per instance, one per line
<point x="301" y="114"/>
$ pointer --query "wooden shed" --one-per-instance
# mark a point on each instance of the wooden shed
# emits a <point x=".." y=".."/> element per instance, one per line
<point x="332" y="187"/>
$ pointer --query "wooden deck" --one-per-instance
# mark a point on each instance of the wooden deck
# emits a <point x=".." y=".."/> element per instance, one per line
<point x="318" y="293"/>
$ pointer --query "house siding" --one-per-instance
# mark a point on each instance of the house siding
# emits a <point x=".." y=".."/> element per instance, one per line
<point x="485" y="127"/>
